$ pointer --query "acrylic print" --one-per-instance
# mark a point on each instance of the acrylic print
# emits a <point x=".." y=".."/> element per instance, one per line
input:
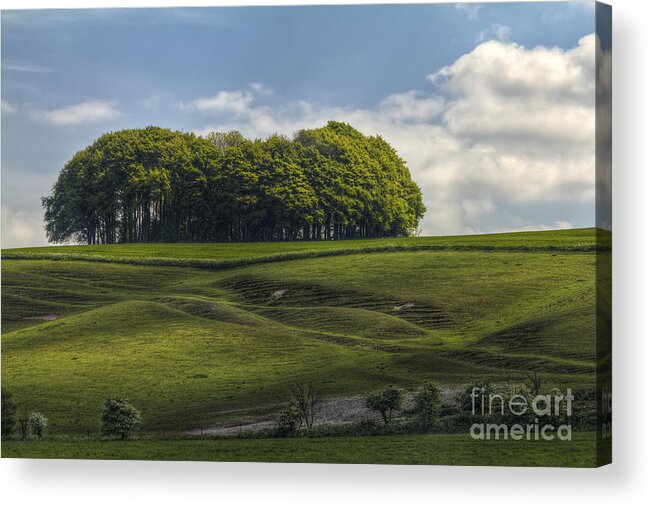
<point x="340" y="234"/>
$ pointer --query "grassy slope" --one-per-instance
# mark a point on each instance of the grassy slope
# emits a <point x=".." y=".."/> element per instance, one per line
<point x="411" y="449"/>
<point x="193" y="346"/>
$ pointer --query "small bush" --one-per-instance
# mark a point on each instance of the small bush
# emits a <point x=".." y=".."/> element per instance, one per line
<point x="37" y="424"/>
<point x="119" y="418"/>
<point x="289" y="421"/>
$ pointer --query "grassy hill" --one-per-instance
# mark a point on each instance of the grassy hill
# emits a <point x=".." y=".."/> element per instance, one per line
<point x="194" y="334"/>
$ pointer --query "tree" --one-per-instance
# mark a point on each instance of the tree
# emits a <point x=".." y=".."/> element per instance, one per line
<point x="8" y="413"/>
<point x="153" y="184"/>
<point x="119" y="418"/>
<point x="37" y="424"/>
<point x="427" y="405"/>
<point x="307" y="400"/>
<point x="385" y="402"/>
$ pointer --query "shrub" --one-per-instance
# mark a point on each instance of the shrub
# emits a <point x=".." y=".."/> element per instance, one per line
<point x="385" y="402"/>
<point x="427" y="405"/>
<point x="8" y="414"/>
<point x="119" y="418"/>
<point x="37" y="424"/>
<point x="289" y="421"/>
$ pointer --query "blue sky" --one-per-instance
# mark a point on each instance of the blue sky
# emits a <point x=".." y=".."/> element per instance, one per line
<point x="406" y="72"/>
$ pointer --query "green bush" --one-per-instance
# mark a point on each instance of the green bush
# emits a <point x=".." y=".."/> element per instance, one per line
<point x="289" y="421"/>
<point x="37" y="424"/>
<point x="119" y="418"/>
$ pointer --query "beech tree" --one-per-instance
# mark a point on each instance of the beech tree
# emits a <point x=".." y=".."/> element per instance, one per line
<point x="153" y="184"/>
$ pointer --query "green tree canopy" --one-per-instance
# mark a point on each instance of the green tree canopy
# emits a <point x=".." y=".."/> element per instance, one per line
<point x="153" y="184"/>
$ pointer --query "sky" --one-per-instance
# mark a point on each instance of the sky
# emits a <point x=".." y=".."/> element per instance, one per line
<point x="490" y="105"/>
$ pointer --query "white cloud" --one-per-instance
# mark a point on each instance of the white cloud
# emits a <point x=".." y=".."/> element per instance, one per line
<point x="512" y="95"/>
<point x="471" y="11"/>
<point x="412" y="106"/>
<point x="233" y="102"/>
<point x="229" y="103"/>
<point x="20" y="229"/>
<point x="261" y="88"/>
<point x="496" y="31"/>
<point x="7" y="107"/>
<point x="85" y="112"/>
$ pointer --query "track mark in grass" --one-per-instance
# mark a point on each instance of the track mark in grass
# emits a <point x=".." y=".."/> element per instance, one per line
<point x="520" y="362"/>
<point x="214" y="310"/>
<point x="259" y="291"/>
<point x="352" y="342"/>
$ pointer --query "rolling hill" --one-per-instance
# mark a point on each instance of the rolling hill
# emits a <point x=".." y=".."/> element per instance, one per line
<point x="196" y="334"/>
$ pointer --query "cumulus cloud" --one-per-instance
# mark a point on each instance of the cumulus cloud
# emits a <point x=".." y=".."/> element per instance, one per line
<point x="84" y="112"/>
<point x="505" y="137"/>
<point x="412" y="106"/>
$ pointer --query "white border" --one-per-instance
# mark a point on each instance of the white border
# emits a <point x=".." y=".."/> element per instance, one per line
<point x="69" y="483"/>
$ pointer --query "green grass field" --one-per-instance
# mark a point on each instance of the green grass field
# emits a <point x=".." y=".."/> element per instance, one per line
<point x="192" y="346"/>
<point x="572" y="238"/>
<point x="411" y="449"/>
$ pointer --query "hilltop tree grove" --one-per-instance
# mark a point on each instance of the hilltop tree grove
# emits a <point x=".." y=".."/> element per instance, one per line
<point x="153" y="184"/>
